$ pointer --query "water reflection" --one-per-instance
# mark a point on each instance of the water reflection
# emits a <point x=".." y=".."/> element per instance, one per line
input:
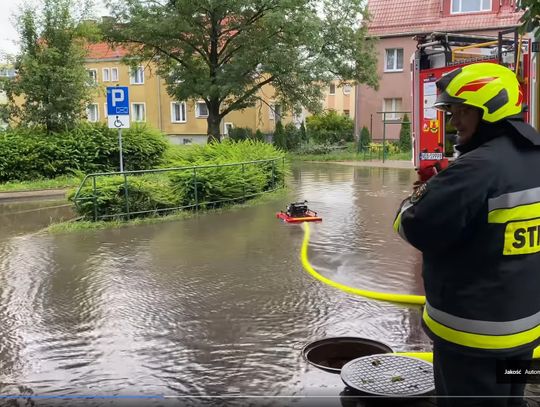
<point x="214" y="305"/>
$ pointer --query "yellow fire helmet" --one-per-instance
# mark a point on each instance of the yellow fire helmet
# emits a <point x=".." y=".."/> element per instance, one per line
<point x="490" y="87"/>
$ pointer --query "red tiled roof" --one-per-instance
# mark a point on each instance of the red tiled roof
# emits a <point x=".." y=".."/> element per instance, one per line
<point x="102" y="50"/>
<point x="394" y="17"/>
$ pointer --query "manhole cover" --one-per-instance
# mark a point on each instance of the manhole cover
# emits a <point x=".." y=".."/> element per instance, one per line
<point x="331" y="354"/>
<point x="389" y="375"/>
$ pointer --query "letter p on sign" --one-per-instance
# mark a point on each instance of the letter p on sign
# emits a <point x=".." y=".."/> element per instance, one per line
<point x="117" y="96"/>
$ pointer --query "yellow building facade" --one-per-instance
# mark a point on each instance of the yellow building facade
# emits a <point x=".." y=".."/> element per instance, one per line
<point x="185" y="122"/>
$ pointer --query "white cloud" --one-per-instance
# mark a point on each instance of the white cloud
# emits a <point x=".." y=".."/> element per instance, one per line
<point x="8" y="31"/>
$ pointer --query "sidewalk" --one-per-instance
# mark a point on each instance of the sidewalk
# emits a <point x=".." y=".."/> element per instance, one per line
<point x="376" y="163"/>
<point x="46" y="193"/>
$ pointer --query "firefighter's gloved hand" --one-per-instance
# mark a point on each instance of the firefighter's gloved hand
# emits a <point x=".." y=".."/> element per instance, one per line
<point x="426" y="173"/>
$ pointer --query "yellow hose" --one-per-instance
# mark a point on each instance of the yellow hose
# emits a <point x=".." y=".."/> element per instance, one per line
<point x="400" y="298"/>
<point x="397" y="298"/>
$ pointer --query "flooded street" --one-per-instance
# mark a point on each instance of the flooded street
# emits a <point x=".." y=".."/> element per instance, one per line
<point x="216" y="305"/>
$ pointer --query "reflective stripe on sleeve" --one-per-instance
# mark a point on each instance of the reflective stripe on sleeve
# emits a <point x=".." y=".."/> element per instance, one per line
<point x="398" y="227"/>
<point x="482" y="334"/>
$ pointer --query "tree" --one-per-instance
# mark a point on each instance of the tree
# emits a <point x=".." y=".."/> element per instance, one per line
<point x="531" y="18"/>
<point x="405" y="134"/>
<point x="365" y="139"/>
<point x="225" y="51"/>
<point x="278" y="138"/>
<point x="51" y="79"/>
<point x="303" y="133"/>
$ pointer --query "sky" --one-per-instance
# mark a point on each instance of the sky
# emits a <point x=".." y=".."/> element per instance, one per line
<point x="8" y="32"/>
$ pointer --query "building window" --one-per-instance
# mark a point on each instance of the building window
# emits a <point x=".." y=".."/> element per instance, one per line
<point x="187" y="140"/>
<point x="114" y="74"/>
<point x="178" y="112"/>
<point x="227" y="126"/>
<point x="470" y="6"/>
<point x="92" y="112"/>
<point x="137" y="76"/>
<point x="393" y="60"/>
<point x="201" y="110"/>
<point x="347" y="89"/>
<point x="275" y="112"/>
<point x="347" y="112"/>
<point x="392" y="105"/>
<point x="92" y="76"/>
<point x="138" y="112"/>
<point x="106" y="75"/>
<point x="332" y="89"/>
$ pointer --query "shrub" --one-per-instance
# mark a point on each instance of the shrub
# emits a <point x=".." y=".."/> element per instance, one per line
<point x="240" y="133"/>
<point x="292" y="137"/>
<point x="27" y="154"/>
<point x="143" y="148"/>
<point x="183" y="187"/>
<point x="405" y="134"/>
<point x="330" y="128"/>
<point x="365" y="139"/>
<point x="391" y="147"/>
<point x="258" y="136"/>
<point x="145" y="193"/>
<point x="278" y="138"/>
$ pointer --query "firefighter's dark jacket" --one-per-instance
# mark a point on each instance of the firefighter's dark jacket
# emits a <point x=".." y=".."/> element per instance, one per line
<point x="477" y="224"/>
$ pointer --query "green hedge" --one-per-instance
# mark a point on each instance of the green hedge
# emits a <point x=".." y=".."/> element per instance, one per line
<point x="330" y="128"/>
<point x="145" y="193"/>
<point x="177" y="188"/>
<point x="32" y="154"/>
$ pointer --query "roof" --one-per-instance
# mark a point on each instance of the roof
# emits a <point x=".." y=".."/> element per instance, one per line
<point x="102" y="50"/>
<point x="405" y="17"/>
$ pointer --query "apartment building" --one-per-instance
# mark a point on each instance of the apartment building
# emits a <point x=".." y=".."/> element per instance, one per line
<point x="395" y="23"/>
<point x="185" y="122"/>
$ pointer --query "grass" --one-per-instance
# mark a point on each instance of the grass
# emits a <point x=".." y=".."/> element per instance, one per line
<point x="83" y="225"/>
<point x="41" y="184"/>
<point x="347" y="155"/>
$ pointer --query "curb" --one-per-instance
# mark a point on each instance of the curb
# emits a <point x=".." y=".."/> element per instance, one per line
<point x="401" y="164"/>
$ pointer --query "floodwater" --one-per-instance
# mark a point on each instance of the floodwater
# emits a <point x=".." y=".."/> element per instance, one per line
<point x="217" y="305"/>
<point x="19" y="217"/>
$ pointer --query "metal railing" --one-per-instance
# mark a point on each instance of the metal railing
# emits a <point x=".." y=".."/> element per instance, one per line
<point x="78" y="199"/>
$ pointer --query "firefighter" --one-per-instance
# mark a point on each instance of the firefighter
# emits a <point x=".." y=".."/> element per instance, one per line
<point x="477" y="224"/>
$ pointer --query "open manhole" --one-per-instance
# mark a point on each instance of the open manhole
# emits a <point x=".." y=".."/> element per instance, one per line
<point x="331" y="354"/>
<point x="389" y="375"/>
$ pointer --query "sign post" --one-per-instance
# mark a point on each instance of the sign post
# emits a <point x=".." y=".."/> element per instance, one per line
<point x="118" y="113"/>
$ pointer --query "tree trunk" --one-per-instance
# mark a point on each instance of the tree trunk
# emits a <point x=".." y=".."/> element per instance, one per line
<point x="214" y="120"/>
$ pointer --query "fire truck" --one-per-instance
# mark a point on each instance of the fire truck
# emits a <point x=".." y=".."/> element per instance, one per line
<point x="439" y="53"/>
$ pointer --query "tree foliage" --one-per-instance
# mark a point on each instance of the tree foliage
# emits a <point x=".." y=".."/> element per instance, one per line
<point x="225" y="51"/>
<point x="51" y="86"/>
<point x="531" y="17"/>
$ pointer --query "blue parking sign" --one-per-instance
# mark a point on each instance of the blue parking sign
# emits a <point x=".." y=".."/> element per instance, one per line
<point x="117" y="101"/>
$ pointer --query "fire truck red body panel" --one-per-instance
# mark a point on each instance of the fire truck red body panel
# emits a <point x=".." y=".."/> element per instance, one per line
<point x="429" y="124"/>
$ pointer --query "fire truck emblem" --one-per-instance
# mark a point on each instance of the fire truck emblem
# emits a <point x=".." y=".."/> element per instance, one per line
<point x="431" y="126"/>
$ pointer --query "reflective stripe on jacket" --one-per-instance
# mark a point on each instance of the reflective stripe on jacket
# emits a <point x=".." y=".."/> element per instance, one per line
<point x="477" y="224"/>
